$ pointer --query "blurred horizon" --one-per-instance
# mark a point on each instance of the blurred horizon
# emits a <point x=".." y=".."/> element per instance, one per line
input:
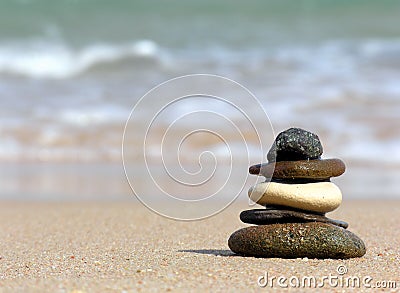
<point x="71" y="71"/>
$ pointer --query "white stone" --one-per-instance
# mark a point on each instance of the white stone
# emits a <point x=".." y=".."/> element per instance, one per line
<point x="319" y="197"/>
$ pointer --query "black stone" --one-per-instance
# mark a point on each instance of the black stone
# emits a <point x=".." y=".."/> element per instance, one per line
<point x="278" y="216"/>
<point x="281" y="207"/>
<point x="293" y="240"/>
<point x="295" y="144"/>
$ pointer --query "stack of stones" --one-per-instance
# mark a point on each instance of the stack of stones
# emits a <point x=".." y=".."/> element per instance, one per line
<point x="293" y="223"/>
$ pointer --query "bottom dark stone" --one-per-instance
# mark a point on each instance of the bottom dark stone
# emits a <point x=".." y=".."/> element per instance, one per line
<point x="279" y="216"/>
<point x="293" y="240"/>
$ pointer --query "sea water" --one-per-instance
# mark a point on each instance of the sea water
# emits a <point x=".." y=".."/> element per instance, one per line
<point x="71" y="71"/>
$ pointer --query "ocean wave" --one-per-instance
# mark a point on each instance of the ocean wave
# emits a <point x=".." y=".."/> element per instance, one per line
<point x="41" y="59"/>
<point x="55" y="59"/>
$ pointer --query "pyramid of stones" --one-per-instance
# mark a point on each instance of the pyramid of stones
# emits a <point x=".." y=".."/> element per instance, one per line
<point x="292" y="223"/>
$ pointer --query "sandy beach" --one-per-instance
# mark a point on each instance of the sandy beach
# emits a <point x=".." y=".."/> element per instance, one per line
<point x="124" y="247"/>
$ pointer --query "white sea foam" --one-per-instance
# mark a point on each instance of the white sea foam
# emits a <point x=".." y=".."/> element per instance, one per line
<point x="57" y="60"/>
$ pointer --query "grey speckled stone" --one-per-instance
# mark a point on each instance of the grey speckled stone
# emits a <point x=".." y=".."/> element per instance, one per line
<point x="295" y="144"/>
<point x="275" y="216"/>
<point x="293" y="240"/>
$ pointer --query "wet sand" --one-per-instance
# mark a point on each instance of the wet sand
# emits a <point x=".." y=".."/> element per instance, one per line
<point x="122" y="246"/>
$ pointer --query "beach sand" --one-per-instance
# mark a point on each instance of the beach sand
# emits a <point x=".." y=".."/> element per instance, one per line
<point x="122" y="246"/>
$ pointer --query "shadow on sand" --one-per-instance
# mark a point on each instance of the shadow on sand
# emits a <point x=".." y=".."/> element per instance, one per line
<point x="216" y="252"/>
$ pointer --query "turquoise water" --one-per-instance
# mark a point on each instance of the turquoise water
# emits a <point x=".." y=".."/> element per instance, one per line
<point x="180" y="24"/>
<point x="70" y="71"/>
<point x="64" y="34"/>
